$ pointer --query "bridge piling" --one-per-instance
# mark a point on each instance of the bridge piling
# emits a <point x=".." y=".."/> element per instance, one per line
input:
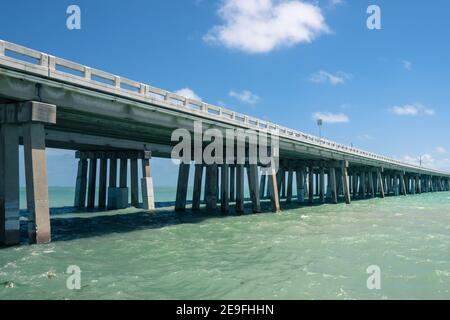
<point x="36" y="183"/>
<point x="81" y="184"/>
<point x="134" y="182"/>
<point x="112" y="182"/>
<point x="9" y="198"/>
<point x="92" y="182"/>
<point x="225" y="189"/>
<point x="26" y="119"/>
<point x="240" y="188"/>
<point x="148" y="197"/>
<point x="182" y="186"/>
<point x="196" y="195"/>
<point x="300" y="175"/>
<point x="102" y="181"/>
<point x="233" y="183"/>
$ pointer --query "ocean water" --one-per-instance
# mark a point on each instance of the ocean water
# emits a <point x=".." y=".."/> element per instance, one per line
<point x="310" y="252"/>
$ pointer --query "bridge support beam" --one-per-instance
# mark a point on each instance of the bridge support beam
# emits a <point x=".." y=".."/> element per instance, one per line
<point x="380" y="184"/>
<point x="233" y="183"/>
<point x="36" y="183"/>
<point x="300" y="175"/>
<point x="81" y="184"/>
<point x="182" y="186"/>
<point x="273" y="187"/>
<point x="322" y="185"/>
<point x="102" y="182"/>
<point x="262" y="185"/>
<point x="225" y="189"/>
<point x="92" y="181"/>
<point x="334" y="196"/>
<point x="31" y="117"/>
<point x="9" y="179"/>
<point x="134" y="182"/>
<point x="290" y="183"/>
<point x="196" y="196"/>
<point x="240" y="188"/>
<point x="346" y="186"/>
<point x="148" y="197"/>
<point x="211" y="187"/>
<point x="112" y="182"/>
<point x="311" y="184"/>
<point x="252" y="172"/>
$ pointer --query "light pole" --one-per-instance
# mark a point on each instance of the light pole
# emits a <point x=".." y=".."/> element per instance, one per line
<point x="320" y="124"/>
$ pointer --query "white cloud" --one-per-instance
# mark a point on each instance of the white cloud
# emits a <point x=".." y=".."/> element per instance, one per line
<point x="334" y="3"/>
<point x="441" y="150"/>
<point x="407" y="65"/>
<point x="260" y="26"/>
<point x="412" y="110"/>
<point x="365" y="137"/>
<point x="331" y="117"/>
<point x="245" y="96"/>
<point x="188" y="93"/>
<point x="326" y="77"/>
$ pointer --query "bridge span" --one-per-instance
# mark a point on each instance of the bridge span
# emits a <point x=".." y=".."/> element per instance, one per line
<point x="116" y="124"/>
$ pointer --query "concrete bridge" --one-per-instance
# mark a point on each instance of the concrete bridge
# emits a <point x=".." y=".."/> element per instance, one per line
<point x="116" y="124"/>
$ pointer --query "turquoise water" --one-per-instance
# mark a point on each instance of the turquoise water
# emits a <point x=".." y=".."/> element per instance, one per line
<point x="314" y="252"/>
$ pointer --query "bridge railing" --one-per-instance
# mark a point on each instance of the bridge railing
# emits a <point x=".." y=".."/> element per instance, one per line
<point x="35" y="62"/>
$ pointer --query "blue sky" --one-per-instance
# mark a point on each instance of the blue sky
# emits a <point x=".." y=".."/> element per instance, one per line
<point x="386" y="90"/>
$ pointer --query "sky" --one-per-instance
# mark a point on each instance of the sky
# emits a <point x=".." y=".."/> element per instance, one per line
<point x="289" y="62"/>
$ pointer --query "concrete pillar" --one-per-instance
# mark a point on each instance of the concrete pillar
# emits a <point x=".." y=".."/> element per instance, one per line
<point x="289" y="185"/>
<point x="363" y="188"/>
<point x="81" y="184"/>
<point x="196" y="196"/>
<point x="134" y="182"/>
<point x="262" y="184"/>
<point x="254" y="187"/>
<point x="112" y="183"/>
<point x="118" y="197"/>
<point x="232" y="183"/>
<point x="240" y="188"/>
<point x="273" y="187"/>
<point x="102" y="183"/>
<point x="280" y="180"/>
<point x="148" y="198"/>
<point x="355" y="184"/>
<point x="300" y="175"/>
<point x="36" y="183"/>
<point x="322" y="185"/>
<point x="311" y="184"/>
<point x="123" y="173"/>
<point x="345" y="183"/>
<point x="380" y="184"/>
<point x="9" y="180"/>
<point x="182" y="186"/>
<point x="371" y="185"/>
<point x="283" y="183"/>
<point x="225" y="189"/>
<point x="334" y="197"/>
<point x="92" y="182"/>
<point x="211" y="191"/>
<point x="402" y="184"/>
